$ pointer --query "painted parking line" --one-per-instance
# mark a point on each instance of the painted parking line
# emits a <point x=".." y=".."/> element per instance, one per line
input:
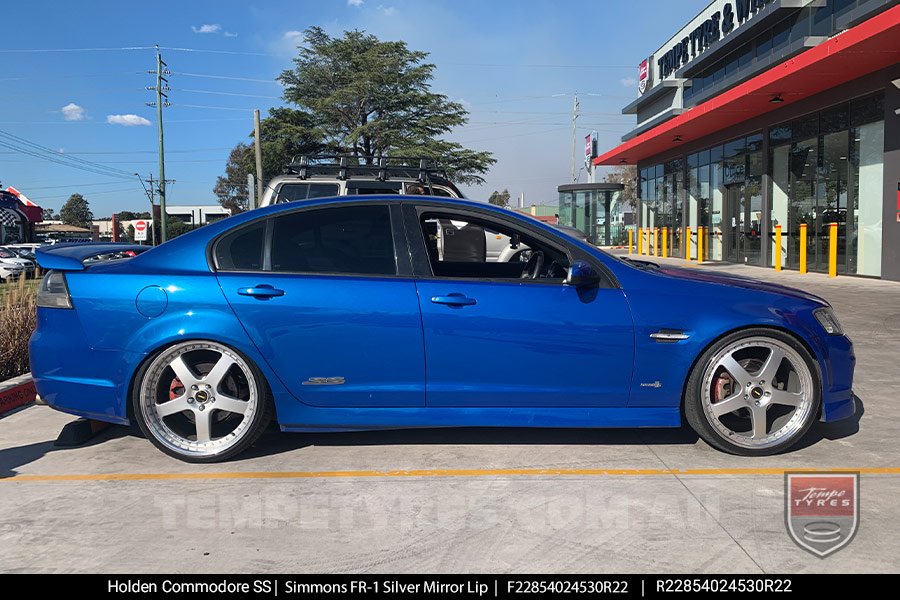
<point x="466" y="473"/>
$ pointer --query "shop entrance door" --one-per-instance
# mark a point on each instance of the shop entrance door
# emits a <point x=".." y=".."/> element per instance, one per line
<point x="737" y="226"/>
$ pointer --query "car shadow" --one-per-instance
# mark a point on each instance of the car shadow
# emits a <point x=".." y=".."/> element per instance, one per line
<point x="18" y="456"/>
<point x="274" y="442"/>
<point x="832" y="431"/>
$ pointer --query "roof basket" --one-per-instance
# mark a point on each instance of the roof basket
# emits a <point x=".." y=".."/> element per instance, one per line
<point x="345" y="166"/>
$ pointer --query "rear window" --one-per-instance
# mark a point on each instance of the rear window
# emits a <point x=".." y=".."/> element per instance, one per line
<point x="241" y="250"/>
<point x="291" y="192"/>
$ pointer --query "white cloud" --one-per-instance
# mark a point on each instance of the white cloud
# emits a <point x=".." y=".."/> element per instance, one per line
<point x="628" y="81"/>
<point x="389" y="11"/>
<point x="356" y="3"/>
<point x="292" y="35"/>
<point x="230" y="34"/>
<point x="207" y="28"/>
<point x="72" y="112"/>
<point x="127" y="120"/>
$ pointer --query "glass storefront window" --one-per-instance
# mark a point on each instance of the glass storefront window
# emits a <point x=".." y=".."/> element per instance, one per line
<point x="832" y="172"/>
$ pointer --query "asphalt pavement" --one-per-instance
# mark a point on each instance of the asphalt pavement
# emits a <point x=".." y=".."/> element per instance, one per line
<point x="468" y="500"/>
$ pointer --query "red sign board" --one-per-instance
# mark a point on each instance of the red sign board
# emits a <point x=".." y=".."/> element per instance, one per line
<point x="643" y="75"/>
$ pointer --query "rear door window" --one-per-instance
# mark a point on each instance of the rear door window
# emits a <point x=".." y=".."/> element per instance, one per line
<point x="355" y="240"/>
<point x="242" y="249"/>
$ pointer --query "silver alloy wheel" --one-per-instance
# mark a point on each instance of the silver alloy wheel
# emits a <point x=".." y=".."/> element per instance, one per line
<point x="768" y="392"/>
<point x="199" y="398"/>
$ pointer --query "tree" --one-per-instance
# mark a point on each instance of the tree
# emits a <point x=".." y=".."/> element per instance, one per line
<point x="499" y="198"/>
<point x="76" y="211"/>
<point x="371" y="98"/>
<point x="128" y="215"/>
<point x="176" y="227"/>
<point x="285" y="133"/>
<point x="47" y="214"/>
<point x="627" y="176"/>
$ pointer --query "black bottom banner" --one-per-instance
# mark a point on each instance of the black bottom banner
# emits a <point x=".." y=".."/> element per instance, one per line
<point x="456" y="586"/>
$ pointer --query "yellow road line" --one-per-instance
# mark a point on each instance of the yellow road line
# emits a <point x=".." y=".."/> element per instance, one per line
<point x="428" y="473"/>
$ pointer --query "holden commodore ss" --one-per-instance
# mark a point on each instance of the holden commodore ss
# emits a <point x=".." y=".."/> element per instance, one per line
<point x="343" y="314"/>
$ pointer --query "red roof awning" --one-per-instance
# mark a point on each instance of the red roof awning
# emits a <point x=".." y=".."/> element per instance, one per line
<point x="866" y="48"/>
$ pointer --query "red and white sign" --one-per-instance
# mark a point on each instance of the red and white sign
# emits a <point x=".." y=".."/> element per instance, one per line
<point x="821" y="510"/>
<point x="643" y="75"/>
<point x="140" y="231"/>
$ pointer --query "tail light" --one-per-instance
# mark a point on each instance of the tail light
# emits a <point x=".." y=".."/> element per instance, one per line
<point x="53" y="292"/>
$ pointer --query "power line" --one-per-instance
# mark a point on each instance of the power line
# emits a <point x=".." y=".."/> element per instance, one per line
<point x="228" y="94"/>
<point x="46" y="50"/>
<point x="204" y="106"/>
<point x="71" y="185"/>
<point x="229" y="77"/>
<point x="23" y="146"/>
<point x="206" y="51"/>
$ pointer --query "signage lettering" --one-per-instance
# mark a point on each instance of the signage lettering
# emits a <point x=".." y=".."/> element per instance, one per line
<point x="718" y="25"/>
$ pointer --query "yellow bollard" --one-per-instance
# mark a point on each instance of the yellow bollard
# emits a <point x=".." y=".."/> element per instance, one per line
<point x="630" y="240"/>
<point x="832" y="250"/>
<point x="802" y="247"/>
<point x="687" y="243"/>
<point x="777" y="257"/>
<point x="665" y="244"/>
<point x="640" y="241"/>
<point x="699" y="244"/>
<point x="656" y="241"/>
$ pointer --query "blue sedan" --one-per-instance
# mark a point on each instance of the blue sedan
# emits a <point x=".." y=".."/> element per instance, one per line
<point x="361" y="313"/>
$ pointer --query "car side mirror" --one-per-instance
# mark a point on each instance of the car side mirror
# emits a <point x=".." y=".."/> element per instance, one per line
<point x="581" y="274"/>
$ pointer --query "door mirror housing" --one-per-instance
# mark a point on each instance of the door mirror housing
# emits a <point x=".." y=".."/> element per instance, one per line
<point x="581" y="274"/>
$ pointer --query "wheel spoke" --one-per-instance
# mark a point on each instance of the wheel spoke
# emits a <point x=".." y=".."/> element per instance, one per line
<point x="786" y="398"/>
<point x="171" y="407"/>
<point x="218" y="372"/>
<point x="729" y="405"/>
<point x="758" y="419"/>
<point x="773" y="363"/>
<point x="182" y="371"/>
<point x="202" y="422"/>
<point x="737" y="372"/>
<point x="229" y="404"/>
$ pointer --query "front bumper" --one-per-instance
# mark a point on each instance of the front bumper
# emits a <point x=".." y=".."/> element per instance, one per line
<point x="838" y="401"/>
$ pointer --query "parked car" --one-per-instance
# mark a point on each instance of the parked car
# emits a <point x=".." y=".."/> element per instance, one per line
<point x="9" y="257"/>
<point x="322" y="176"/>
<point x="10" y="272"/>
<point x="338" y="314"/>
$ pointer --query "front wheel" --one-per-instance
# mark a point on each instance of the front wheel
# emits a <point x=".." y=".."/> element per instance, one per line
<point x="753" y="393"/>
<point x="201" y="401"/>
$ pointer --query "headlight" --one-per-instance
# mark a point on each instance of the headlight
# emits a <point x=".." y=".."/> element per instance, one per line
<point x="829" y="322"/>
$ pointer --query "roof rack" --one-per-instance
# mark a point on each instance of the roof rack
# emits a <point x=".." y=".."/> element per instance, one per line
<point x="345" y="166"/>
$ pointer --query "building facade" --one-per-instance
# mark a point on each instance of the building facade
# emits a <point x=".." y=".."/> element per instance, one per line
<point x="766" y="113"/>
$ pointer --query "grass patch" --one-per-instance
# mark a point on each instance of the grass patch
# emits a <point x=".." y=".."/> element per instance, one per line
<point x="18" y="304"/>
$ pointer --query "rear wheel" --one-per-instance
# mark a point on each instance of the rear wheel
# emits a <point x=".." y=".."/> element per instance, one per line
<point x="753" y="393"/>
<point x="201" y="401"/>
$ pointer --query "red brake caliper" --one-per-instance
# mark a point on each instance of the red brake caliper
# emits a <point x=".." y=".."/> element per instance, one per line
<point x="176" y="388"/>
<point x="722" y="388"/>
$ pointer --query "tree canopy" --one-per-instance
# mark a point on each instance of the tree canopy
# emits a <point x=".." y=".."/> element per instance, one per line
<point x="77" y="211"/>
<point x="499" y="198"/>
<point x="361" y="96"/>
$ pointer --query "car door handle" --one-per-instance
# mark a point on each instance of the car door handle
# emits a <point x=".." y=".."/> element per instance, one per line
<point x="261" y="291"/>
<point x="453" y="300"/>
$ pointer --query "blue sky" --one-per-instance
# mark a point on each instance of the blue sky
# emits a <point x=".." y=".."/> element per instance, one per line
<point x="514" y="65"/>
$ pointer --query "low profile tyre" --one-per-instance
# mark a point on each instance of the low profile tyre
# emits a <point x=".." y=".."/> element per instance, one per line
<point x="201" y="401"/>
<point x="753" y="393"/>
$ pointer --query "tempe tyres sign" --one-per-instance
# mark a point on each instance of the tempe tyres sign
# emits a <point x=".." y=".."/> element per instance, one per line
<point x="717" y="21"/>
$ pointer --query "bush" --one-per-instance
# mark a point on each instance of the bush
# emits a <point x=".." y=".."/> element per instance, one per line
<point x="18" y="302"/>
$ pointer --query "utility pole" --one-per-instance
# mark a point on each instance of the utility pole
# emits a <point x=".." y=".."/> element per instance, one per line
<point x="258" y="146"/>
<point x="574" y="138"/>
<point x="162" y="100"/>
<point x="152" y="210"/>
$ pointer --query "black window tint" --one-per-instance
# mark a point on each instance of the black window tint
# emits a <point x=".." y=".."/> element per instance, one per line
<point x="350" y="240"/>
<point x="291" y="192"/>
<point x="241" y="250"/>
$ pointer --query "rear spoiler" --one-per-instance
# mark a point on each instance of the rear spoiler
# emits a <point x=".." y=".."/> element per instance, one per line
<point x="71" y="257"/>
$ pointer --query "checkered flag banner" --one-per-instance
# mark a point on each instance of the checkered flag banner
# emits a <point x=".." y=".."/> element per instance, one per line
<point x="8" y="218"/>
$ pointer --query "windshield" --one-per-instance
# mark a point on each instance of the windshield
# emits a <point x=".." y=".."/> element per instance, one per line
<point x="5" y="253"/>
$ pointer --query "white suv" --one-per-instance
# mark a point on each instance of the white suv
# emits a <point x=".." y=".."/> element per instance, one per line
<point x="324" y="176"/>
